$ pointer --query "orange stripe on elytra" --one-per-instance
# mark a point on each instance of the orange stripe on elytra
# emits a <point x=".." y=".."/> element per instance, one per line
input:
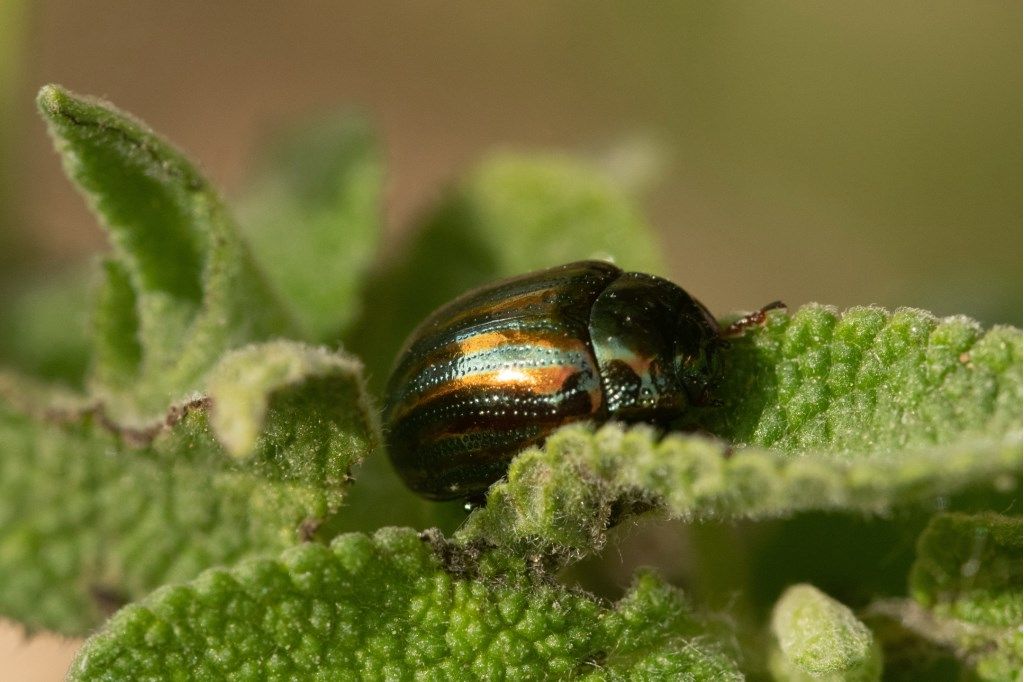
<point x="487" y="341"/>
<point x="538" y="380"/>
<point x="478" y="343"/>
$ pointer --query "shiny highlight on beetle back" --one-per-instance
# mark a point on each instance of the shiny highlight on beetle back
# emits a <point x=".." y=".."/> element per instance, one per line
<point x="501" y="367"/>
<point x="491" y="373"/>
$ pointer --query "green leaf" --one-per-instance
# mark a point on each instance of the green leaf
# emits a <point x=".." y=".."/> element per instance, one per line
<point x="43" y="326"/>
<point x="93" y="512"/>
<point x="197" y="293"/>
<point x="868" y="381"/>
<point x="397" y="605"/>
<point x="966" y="589"/>
<point x="817" y="638"/>
<point x="117" y="351"/>
<point x="921" y="408"/>
<point x="303" y="384"/>
<point x="313" y="217"/>
<point x="968" y="568"/>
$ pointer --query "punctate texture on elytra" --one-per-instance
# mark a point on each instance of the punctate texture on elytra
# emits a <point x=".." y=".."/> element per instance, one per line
<point x="386" y="607"/>
<point x="502" y="366"/>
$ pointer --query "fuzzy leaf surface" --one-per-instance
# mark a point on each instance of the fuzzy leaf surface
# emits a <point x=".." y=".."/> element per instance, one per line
<point x="196" y="291"/>
<point x="313" y="216"/>
<point x="94" y="514"/>
<point x="43" y="325"/>
<point x="861" y="411"/>
<point x="818" y="638"/>
<point x="389" y="607"/>
<point x="296" y="384"/>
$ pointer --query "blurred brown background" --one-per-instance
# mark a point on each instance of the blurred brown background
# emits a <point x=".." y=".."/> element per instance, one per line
<point x="843" y="153"/>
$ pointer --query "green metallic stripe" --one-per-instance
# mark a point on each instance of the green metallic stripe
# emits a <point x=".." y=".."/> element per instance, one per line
<point x="545" y="290"/>
<point x="462" y="400"/>
<point x="550" y="345"/>
<point x="531" y="369"/>
<point x="565" y="295"/>
<point x="459" y="408"/>
<point x="550" y="350"/>
<point x="544" y="326"/>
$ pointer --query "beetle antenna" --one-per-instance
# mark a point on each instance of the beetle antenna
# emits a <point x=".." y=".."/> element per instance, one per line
<point x="752" y="320"/>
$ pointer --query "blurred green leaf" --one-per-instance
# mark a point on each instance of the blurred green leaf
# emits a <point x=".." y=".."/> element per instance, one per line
<point x="92" y="511"/>
<point x="817" y="638"/>
<point x="393" y="606"/>
<point x="197" y="292"/>
<point x="109" y="495"/>
<point x="313" y="217"/>
<point x="115" y="325"/>
<point x="919" y="408"/>
<point x="963" y="620"/>
<point x="43" y="325"/>
<point x="967" y="578"/>
<point x="968" y="568"/>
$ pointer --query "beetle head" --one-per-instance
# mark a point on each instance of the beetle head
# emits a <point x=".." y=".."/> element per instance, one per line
<point x="698" y="362"/>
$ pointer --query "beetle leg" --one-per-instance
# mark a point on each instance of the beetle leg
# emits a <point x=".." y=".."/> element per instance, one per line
<point x="752" y="320"/>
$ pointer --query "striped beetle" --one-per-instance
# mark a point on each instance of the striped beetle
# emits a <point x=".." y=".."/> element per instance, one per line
<point x="501" y="367"/>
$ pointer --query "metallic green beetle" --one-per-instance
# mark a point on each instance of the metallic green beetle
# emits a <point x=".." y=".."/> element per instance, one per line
<point x="501" y="367"/>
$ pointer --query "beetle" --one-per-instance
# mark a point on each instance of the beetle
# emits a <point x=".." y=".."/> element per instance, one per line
<point x="502" y="366"/>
